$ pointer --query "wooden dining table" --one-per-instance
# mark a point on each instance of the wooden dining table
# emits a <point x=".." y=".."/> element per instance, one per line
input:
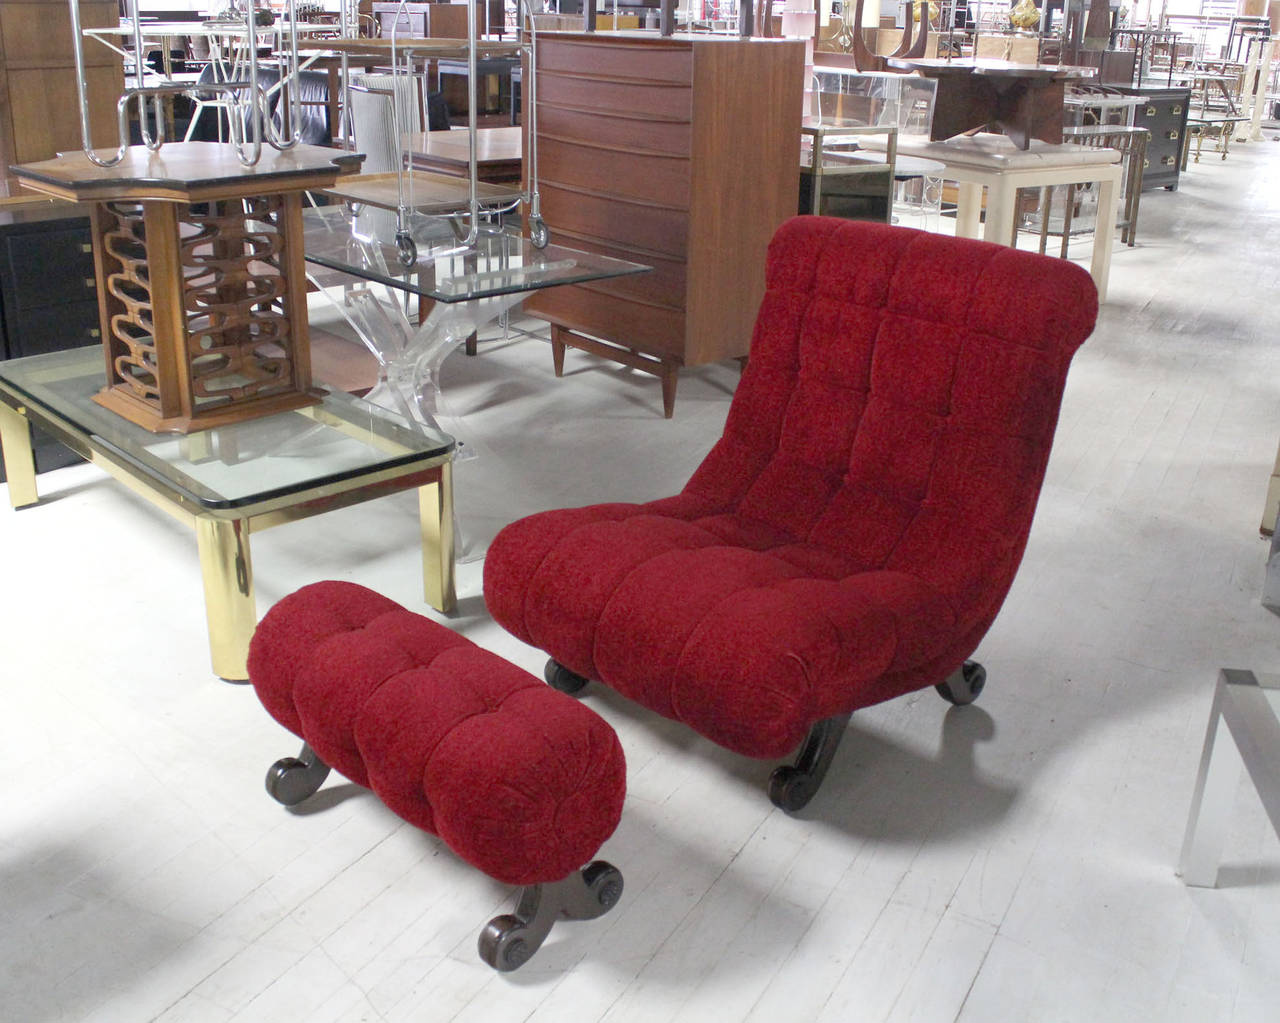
<point x="499" y="153"/>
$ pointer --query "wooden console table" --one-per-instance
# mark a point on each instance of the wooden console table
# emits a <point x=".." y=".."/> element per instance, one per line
<point x="1022" y="101"/>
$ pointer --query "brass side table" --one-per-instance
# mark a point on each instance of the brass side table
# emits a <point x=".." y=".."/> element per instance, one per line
<point x="228" y="482"/>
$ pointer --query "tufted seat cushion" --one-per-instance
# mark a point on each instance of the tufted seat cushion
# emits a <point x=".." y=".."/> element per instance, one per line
<point x="853" y="533"/>
<point x="522" y="782"/>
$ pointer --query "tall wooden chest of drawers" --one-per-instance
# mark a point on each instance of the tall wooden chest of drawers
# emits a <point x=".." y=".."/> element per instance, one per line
<point x="681" y="153"/>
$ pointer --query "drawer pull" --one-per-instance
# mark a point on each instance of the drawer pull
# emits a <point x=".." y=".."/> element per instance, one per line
<point x="1152" y="111"/>
<point x="1176" y="108"/>
<point x="86" y="246"/>
<point x="1172" y="134"/>
<point x="1167" y="160"/>
<point x="95" y="333"/>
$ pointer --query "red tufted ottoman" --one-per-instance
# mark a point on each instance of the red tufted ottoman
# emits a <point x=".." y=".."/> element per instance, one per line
<point x="519" y="780"/>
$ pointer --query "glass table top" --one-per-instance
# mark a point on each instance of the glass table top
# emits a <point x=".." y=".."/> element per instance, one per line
<point x="227" y="467"/>
<point x="362" y="242"/>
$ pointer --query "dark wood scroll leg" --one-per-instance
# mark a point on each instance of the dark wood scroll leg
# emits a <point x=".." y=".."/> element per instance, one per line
<point x="793" y="785"/>
<point x="509" y="941"/>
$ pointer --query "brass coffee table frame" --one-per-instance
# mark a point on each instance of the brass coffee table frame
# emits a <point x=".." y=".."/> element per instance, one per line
<point x="222" y="534"/>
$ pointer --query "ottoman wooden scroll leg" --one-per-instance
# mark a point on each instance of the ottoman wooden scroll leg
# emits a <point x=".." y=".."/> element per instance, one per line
<point x="290" y="780"/>
<point x="487" y="728"/>
<point x="508" y="941"/>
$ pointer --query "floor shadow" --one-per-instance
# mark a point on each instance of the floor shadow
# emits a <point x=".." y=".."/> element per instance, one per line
<point x="880" y="788"/>
<point x="83" y="930"/>
<point x="1249" y="875"/>
<point x="876" y="786"/>
<point x="327" y="798"/>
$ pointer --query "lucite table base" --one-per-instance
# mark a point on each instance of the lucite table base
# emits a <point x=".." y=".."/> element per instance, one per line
<point x="410" y="354"/>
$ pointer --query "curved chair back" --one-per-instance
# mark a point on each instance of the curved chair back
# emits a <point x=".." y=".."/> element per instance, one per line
<point x="900" y="401"/>
<point x="372" y="118"/>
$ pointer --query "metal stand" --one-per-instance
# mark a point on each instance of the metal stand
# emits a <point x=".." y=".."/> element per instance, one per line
<point x="509" y="941"/>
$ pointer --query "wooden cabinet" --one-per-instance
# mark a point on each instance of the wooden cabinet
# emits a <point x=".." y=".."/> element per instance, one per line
<point x="48" y="299"/>
<point x="1164" y="114"/>
<point x="39" y="106"/>
<point x="681" y="153"/>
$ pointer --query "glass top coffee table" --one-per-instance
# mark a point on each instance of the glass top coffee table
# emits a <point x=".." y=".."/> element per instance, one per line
<point x="360" y="250"/>
<point x="230" y="481"/>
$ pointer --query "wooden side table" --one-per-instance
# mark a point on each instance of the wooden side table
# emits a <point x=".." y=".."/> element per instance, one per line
<point x="200" y="280"/>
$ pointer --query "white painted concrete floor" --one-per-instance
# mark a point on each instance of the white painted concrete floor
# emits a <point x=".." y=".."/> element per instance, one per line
<point x="1009" y="861"/>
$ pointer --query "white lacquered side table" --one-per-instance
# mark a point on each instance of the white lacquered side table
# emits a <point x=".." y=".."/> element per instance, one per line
<point x="1249" y="706"/>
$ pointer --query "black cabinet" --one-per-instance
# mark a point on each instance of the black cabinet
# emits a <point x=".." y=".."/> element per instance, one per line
<point x="48" y="296"/>
<point x="1164" y="114"/>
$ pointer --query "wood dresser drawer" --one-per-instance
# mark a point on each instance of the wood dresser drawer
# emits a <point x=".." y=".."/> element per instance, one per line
<point x="634" y="134"/>
<point x="631" y="324"/>
<point x="647" y="226"/>
<point x="52" y="329"/>
<point x="653" y="179"/>
<point x="660" y="102"/>
<point x="627" y="62"/>
<point x="50" y="268"/>
<point x="663" y="286"/>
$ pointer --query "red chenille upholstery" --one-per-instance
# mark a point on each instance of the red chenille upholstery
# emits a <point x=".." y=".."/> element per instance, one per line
<point x="854" y="531"/>
<point x="520" y="781"/>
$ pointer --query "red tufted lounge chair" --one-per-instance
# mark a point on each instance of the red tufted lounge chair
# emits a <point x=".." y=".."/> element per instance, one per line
<point x="854" y="532"/>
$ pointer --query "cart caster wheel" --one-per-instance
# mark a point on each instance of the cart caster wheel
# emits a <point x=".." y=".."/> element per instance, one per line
<point x="406" y="249"/>
<point x="561" y="678"/>
<point x="290" y="780"/>
<point x="790" y="789"/>
<point x="604" y="881"/>
<point x="539" y="236"/>
<point x="503" y="945"/>
<point x="963" y="686"/>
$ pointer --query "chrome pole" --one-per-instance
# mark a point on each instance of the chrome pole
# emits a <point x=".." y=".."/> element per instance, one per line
<point x="473" y="204"/>
<point x="86" y="141"/>
<point x="538" y="233"/>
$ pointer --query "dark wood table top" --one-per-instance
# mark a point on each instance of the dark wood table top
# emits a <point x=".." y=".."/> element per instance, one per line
<point x="499" y="152"/>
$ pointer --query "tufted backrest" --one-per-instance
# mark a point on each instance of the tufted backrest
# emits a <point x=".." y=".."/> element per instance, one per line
<point x="900" y="400"/>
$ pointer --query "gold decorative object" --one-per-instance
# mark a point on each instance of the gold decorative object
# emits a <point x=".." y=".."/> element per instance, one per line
<point x="934" y="10"/>
<point x="1024" y="15"/>
<point x="200" y="277"/>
